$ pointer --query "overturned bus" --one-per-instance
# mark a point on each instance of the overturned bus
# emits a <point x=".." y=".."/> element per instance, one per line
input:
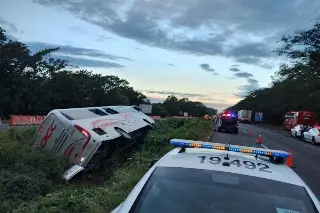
<point x="89" y="136"/>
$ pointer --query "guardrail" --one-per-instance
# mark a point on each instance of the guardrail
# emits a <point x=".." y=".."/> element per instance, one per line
<point x="23" y="120"/>
<point x="159" y="118"/>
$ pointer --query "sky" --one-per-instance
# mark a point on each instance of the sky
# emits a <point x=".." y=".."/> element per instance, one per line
<point x="213" y="51"/>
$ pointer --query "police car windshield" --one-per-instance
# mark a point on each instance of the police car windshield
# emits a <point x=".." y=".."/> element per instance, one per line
<point x="173" y="190"/>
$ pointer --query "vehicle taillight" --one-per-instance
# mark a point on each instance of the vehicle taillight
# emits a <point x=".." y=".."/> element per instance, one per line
<point x="83" y="131"/>
<point x="87" y="135"/>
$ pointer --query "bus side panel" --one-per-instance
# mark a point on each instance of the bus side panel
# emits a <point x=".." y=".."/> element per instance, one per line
<point x="49" y="130"/>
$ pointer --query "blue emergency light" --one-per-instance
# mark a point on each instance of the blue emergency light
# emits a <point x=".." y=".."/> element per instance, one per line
<point x="229" y="114"/>
<point x="232" y="148"/>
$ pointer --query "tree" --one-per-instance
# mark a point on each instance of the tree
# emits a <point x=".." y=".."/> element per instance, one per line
<point x="296" y="85"/>
<point x="37" y="83"/>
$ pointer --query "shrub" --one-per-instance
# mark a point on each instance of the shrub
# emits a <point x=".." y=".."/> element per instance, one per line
<point x="26" y="172"/>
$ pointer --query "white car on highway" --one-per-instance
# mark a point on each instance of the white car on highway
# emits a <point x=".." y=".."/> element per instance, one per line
<point x="313" y="136"/>
<point x="220" y="178"/>
<point x="296" y="131"/>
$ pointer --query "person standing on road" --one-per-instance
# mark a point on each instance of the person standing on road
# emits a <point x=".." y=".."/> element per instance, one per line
<point x="304" y="128"/>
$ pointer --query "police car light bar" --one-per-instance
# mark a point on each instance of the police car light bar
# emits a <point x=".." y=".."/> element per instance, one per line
<point x="233" y="148"/>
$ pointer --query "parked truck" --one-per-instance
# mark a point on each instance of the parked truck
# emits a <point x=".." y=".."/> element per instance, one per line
<point x="244" y="116"/>
<point x="293" y="118"/>
<point x="250" y="116"/>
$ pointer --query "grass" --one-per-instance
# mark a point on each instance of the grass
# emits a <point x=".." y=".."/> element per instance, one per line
<point x="30" y="180"/>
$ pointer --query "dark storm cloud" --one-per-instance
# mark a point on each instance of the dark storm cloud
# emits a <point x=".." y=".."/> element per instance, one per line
<point x="78" y="51"/>
<point x="206" y="67"/>
<point x="227" y="21"/>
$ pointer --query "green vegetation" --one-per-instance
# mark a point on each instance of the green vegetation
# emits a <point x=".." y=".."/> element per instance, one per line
<point x="296" y="86"/>
<point x="29" y="179"/>
<point x="34" y="84"/>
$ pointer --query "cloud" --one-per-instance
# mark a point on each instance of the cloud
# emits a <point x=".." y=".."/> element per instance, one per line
<point x="185" y="95"/>
<point x="79" y="56"/>
<point x="77" y="51"/>
<point x="240" y="29"/>
<point x="252" y="81"/>
<point x="243" y="75"/>
<point x="137" y="48"/>
<point x="245" y="90"/>
<point x="234" y="69"/>
<point x="206" y="67"/>
<point x="205" y="98"/>
<point x="82" y="62"/>
<point x="216" y="105"/>
<point x="9" y="27"/>
<point x="171" y="65"/>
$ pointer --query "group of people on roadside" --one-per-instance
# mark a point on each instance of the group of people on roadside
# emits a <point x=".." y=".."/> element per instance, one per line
<point x="305" y="128"/>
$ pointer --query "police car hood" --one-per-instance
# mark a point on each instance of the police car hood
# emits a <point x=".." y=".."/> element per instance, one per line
<point x="240" y="163"/>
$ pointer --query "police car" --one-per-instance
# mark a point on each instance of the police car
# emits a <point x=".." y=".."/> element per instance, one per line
<point x="210" y="177"/>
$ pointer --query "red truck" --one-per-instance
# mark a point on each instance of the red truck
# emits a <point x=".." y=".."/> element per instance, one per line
<point x="291" y="119"/>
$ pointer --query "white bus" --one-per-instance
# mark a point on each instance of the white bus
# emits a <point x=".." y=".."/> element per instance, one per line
<point x="88" y="136"/>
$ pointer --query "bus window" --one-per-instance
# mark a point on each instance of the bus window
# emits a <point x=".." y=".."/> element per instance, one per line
<point x="98" y="112"/>
<point x="137" y="108"/>
<point x="111" y="111"/>
<point x="78" y="114"/>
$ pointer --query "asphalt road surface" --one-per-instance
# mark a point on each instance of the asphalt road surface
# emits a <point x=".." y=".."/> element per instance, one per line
<point x="4" y="127"/>
<point x="306" y="157"/>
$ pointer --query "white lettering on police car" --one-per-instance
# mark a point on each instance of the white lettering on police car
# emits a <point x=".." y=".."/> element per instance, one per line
<point x="247" y="164"/>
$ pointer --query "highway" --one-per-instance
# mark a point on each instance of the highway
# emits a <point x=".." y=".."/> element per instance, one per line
<point x="306" y="157"/>
<point x="4" y="127"/>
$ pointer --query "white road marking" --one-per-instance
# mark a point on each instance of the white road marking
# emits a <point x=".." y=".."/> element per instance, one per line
<point x="264" y="146"/>
<point x="244" y="131"/>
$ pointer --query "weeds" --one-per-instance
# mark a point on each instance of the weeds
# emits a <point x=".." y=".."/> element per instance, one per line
<point x="30" y="181"/>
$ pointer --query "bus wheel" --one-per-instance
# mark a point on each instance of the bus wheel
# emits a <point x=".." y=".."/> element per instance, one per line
<point x="123" y="133"/>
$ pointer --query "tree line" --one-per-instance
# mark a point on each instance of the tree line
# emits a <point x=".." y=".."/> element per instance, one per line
<point x="296" y="85"/>
<point x="36" y="83"/>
